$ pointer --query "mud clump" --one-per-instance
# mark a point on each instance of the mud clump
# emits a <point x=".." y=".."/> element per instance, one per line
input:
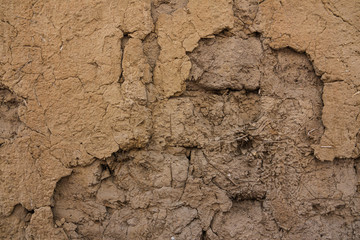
<point x="179" y="119"/>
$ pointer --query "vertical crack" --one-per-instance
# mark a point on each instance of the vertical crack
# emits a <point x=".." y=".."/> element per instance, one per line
<point x="124" y="40"/>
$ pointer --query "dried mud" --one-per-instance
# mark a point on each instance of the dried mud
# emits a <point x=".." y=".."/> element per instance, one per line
<point x="179" y="119"/>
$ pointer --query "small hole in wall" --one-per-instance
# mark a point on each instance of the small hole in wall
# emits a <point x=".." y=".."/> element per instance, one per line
<point x="203" y="235"/>
<point x="244" y="141"/>
<point x="257" y="34"/>
<point x="316" y="206"/>
<point x="225" y="33"/>
<point x="105" y="167"/>
<point x="124" y="40"/>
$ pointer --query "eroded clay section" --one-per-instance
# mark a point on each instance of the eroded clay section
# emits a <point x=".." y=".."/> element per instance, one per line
<point x="330" y="36"/>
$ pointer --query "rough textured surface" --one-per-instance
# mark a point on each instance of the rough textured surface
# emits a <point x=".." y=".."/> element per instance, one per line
<point x="328" y="31"/>
<point x="153" y="119"/>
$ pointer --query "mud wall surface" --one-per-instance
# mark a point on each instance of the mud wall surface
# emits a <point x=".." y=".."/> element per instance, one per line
<point x="179" y="119"/>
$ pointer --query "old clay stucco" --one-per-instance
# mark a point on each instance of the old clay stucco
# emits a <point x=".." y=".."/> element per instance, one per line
<point x="191" y="119"/>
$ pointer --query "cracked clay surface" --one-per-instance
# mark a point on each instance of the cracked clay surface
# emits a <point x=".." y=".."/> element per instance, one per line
<point x="179" y="119"/>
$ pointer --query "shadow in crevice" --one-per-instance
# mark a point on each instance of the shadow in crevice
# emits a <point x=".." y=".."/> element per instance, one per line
<point x="10" y="123"/>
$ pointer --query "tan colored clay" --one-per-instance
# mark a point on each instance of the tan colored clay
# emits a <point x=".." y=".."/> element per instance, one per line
<point x="179" y="119"/>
